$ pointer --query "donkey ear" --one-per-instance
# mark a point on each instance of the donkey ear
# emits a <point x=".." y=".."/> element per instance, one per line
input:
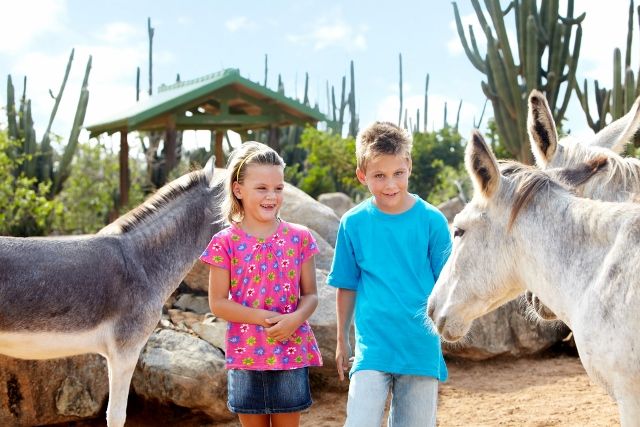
<point x="209" y="168"/>
<point x="542" y="129"/>
<point x="620" y="132"/>
<point x="482" y="166"/>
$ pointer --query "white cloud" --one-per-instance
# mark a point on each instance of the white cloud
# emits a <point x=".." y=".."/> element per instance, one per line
<point x="335" y="33"/>
<point x="239" y="23"/>
<point x="26" y="20"/>
<point x="119" y="32"/>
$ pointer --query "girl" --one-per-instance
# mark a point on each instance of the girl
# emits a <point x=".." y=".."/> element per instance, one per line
<point x="263" y="282"/>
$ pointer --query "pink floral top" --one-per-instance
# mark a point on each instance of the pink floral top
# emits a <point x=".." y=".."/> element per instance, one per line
<point x="265" y="273"/>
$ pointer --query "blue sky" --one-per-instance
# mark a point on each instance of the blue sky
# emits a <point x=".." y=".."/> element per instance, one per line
<point x="194" y="38"/>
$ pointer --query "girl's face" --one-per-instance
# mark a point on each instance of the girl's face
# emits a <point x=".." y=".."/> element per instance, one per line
<point x="261" y="192"/>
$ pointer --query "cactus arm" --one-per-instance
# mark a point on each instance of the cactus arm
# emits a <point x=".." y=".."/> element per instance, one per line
<point x="473" y="55"/>
<point x="65" y="163"/>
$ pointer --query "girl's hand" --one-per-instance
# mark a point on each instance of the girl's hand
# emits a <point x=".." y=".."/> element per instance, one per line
<point x="283" y="326"/>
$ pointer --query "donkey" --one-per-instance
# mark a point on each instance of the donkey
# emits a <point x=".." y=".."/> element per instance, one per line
<point x="104" y="293"/>
<point x="619" y="181"/>
<point x="526" y="231"/>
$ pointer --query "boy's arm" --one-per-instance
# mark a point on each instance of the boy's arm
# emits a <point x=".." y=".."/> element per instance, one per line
<point x="284" y="325"/>
<point x="231" y="311"/>
<point x="345" y="303"/>
<point x="439" y="244"/>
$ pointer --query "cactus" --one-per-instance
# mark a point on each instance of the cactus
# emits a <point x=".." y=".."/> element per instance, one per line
<point x="539" y="32"/>
<point x="626" y="88"/>
<point x="38" y="157"/>
<point x="400" y="89"/>
<point x="353" y="124"/>
<point x="426" y="102"/>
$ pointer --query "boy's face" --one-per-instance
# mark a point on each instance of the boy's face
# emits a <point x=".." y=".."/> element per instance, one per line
<point x="387" y="178"/>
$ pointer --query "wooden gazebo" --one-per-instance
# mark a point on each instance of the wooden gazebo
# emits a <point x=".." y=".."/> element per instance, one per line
<point x="216" y="102"/>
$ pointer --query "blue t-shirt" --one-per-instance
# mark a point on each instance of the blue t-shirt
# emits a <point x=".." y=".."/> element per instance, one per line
<point x="392" y="262"/>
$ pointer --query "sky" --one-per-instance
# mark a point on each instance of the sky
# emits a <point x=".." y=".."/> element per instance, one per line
<point x="198" y="37"/>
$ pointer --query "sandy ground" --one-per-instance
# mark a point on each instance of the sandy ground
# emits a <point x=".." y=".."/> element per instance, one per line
<point x="548" y="391"/>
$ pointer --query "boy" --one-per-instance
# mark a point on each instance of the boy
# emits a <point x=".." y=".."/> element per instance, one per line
<point x="389" y="252"/>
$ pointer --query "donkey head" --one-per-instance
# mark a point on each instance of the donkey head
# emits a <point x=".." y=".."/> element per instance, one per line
<point x="550" y="152"/>
<point x="479" y="275"/>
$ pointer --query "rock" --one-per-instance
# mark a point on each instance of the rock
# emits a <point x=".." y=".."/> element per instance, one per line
<point x="324" y="257"/>
<point x="339" y="202"/>
<point x="451" y="208"/>
<point x="176" y="368"/>
<point x="323" y="324"/>
<point x="212" y="330"/>
<point x="193" y="303"/>
<point x="300" y="208"/>
<point x="38" y="392"/>
<point x="197" y="278"/>
<point x="506" y="331"/>
<point x="73" y="398"/>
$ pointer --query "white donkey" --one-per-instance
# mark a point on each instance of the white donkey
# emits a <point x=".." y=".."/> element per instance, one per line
<point x="618" y="180"/>
<point x="104" y="293"/>
<point x="523" y="230"/>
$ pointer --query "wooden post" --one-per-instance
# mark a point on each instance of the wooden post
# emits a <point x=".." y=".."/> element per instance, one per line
<point x="219" y="153"/>
<point x="170" y="146"/>
<point x="124" y="168"/>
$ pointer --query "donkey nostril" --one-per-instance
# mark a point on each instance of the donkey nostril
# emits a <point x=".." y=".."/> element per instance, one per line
<point x="440" y="324"/>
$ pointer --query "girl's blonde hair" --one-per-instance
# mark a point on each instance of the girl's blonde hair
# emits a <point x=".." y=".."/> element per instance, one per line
<point x="249" y="153"/>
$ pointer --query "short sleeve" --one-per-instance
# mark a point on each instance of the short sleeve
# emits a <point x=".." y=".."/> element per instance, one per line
<point x="308" y="245"/>
<point x="345" y="272"/>
<point x="439" y="243"/>
<point x="218" y="251"/>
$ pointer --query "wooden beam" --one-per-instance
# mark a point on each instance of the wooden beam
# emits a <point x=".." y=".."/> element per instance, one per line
<point x="124" y="169"/>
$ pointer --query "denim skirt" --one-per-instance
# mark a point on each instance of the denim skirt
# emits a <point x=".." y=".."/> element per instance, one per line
<point x="268" y="392"/>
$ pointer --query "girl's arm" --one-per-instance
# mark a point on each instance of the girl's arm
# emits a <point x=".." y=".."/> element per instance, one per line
<point x="221" y="306"/>
<point x="284" y="325"/>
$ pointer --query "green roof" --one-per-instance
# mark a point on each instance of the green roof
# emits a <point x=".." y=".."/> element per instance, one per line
<point x="223" y="100"/>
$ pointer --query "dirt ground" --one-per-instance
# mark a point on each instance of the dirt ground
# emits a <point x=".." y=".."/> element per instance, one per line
<point x="545" y="391"/>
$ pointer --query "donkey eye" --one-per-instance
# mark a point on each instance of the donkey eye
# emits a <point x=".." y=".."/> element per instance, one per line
<point x="457" y="232"/>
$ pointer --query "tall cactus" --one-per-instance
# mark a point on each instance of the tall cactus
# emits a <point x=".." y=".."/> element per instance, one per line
<point x="353" y="124"/>
<point x="38" y="157"/>
<point x="626" y="86"/>
<point x="542" y="34"/>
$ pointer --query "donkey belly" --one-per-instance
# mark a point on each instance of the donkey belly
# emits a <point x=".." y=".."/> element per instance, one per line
<point x="51" y="345"/>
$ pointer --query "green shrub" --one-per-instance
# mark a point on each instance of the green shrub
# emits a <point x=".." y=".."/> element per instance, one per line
<point x="24" y="207"/>
<point x="90" y="192"/>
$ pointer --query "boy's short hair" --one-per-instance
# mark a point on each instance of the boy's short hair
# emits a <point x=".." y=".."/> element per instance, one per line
<point x="382" y="138"/>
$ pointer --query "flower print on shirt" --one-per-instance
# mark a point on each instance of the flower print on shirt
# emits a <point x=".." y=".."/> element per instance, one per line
<point x="265" y="274"/>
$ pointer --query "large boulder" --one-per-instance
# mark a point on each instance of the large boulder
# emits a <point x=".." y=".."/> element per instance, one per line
<point x="323" y="324"/>
<point x="451" y="208"/>
<point x="177" y="368"/>
<point x="339" y="202"/>
<point x="507" y="331"/>
<point x="303" y="209"/>
<point x="38" y="392"/>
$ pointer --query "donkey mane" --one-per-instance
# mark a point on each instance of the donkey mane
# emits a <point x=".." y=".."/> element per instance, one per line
<point x="529" y="181"/>
<point x="624" y="172"/>
<point x="155" y="203"/>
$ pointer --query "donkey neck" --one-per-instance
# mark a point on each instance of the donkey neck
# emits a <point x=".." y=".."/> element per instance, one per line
<point x="167" y="244"/>
<point x="564" y="240"/>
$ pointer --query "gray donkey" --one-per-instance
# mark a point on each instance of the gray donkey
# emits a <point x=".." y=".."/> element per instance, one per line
<point x="104" y="293"/>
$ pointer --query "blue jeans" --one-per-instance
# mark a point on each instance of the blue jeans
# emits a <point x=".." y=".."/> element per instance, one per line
<point x="413" y="399"/>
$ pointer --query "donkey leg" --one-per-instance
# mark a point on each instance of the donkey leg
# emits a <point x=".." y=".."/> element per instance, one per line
<point x="629" y="411"/>
<point x="121" y="367"/>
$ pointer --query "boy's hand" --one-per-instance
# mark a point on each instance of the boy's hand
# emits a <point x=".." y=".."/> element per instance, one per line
<point x="343" y="358"/>
<point x="283" y="326"/>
